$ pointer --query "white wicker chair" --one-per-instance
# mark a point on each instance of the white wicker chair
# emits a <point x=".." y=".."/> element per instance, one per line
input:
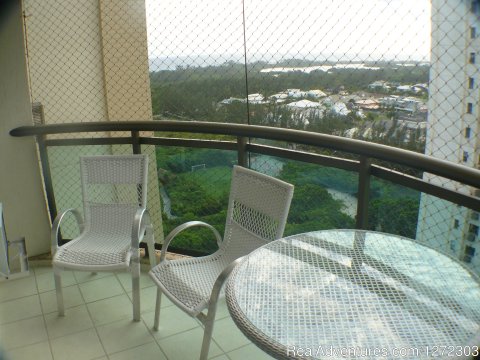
<point x="257" y="213"/>
<point x="114" y="189"/>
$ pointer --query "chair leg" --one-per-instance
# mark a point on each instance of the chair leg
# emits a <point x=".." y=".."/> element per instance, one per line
<point x="135" y="268"/>
<point x="208" y="331"/>
<point x="59" y="291"/>
<point x="207" y="338"/>
<point x="158" y="303"/>
<point x="151" y="252"/>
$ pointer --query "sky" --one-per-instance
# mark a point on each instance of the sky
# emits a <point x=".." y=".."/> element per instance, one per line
<point x="314" y="29"/>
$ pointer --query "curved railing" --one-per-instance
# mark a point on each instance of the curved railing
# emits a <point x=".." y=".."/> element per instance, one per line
<point x="364" y="158"/>
<point x="395" y="155"/>
<point x="366" y="150"/>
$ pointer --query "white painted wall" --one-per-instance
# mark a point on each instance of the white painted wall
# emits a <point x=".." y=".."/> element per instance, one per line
<point x="20" y="184"/>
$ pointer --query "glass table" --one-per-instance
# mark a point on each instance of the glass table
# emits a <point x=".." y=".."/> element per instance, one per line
<point x="355" y="294"/>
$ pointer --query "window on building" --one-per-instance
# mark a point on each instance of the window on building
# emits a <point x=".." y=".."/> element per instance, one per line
<point x="469" y="108"/>
<point x="473" y="229"/>
<point x="471" y="82"/>
<point x="475" y="6"/>
<point x="469" y="253"/>
<point x="456" y="224"/>
<point x="473" y="32"/>
<point x="453" y="246"/>
<point x="472" y="58"/>
<point x="465" y="156"/>
<point x="468" y="132"/>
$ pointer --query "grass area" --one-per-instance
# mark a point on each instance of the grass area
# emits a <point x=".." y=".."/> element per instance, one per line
<point x="214" y="181"/>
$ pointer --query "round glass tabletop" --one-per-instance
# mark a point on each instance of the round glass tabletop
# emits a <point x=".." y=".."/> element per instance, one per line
<point x="348" y="293"/>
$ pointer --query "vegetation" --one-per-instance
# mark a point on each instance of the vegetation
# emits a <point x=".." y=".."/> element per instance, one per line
<point x="197" y="181"/>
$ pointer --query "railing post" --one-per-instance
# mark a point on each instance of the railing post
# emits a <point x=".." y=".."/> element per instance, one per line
<point x="363" y="193"/>
<point x="47" y="176"/>
<point x="242" y="151"/>
<point x="136" y="147"/>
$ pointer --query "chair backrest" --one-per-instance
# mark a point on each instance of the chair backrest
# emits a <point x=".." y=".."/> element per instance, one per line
<point x="113" y="181"/>
<point x="257" y="211"/>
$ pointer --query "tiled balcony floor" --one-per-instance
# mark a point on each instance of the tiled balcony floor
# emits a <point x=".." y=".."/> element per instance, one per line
<point x="98" y="322"/>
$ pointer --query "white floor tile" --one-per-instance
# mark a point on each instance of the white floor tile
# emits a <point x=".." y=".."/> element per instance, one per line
<point x="13" y="289"/>
<point x="125" y="279"/>
<point x="19" y="309"/>
<point x="101" y="289"/>
<point x="76" y="319"/>
<point x="248" y="352"/>
<point x="71" y="297"/>
<point x="123" y="335"/>
<point x="85" y="276"/>
<point x="39" y="351"/>
<point x="222" y="310"/>
<point x="148" y="297"/>
<point x="84" y="345"/>
<point x="23" y="332"/>
<point x="103" y="300"/>
<point x="45" y="280"/>
<point x="221" y="357"/>
<point x="172" y="321"/>
<point x="228" y="336"/>
<point x="110" y="310"/>
<point x="41" y="268"/>
<point x="148" y="351"/>
<point x="187" y="345"/>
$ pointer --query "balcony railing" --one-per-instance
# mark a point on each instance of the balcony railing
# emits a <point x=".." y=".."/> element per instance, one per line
<point x="365" y="159"/>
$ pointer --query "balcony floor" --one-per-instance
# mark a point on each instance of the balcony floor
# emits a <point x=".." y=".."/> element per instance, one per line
<point x="98" y="322"/>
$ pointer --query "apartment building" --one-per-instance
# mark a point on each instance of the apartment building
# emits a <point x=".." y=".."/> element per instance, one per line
<point x="453" y="125"/>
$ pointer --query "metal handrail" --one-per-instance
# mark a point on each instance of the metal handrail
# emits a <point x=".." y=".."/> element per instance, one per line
<point x="449" y="170"/>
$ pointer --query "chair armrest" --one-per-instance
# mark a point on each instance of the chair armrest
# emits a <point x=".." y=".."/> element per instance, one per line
<point x="185" y="226"/>
<point x="141" y="225"/>
<point x="56" y="227"/>
<point x="217" y="286"/>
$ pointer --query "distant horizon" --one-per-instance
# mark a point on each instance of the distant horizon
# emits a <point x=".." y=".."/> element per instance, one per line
<point x="164" y="63"/>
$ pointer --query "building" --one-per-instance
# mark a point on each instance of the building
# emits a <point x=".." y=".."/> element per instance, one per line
<point x="368" y="104"/>
<point x="453" y="126"/>
<point x="379" y="85"/>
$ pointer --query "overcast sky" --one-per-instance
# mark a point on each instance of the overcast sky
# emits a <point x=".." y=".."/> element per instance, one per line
<point x="275" y="29"/>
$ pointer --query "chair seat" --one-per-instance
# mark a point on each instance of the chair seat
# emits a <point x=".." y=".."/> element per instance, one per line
<point x="104" y="244"/>
<point x="95" y="249"/>
<point x="188" y="282"/>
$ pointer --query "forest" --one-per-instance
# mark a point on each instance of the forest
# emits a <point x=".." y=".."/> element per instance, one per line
<point x="197" y="181"/>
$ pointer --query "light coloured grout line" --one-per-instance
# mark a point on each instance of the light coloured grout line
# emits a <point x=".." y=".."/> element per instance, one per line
<point x="150" y="331"/>
<point x="95" y="326"/>
<point x="43" y="315"/>
<point x="124" y="292"/>
<point x="23" y="346"/>
<point x="94" y="279"/>
<point x="84" y="303"/>
<point x="201" y="326"/>
<point x="134" y="347"/>
<point x="241" y="347"/>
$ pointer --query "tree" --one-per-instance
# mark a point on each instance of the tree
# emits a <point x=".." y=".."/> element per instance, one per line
<point x="395" y="215"/>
